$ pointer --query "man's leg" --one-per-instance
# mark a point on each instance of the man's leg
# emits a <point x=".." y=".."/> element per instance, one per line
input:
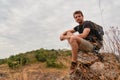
<point x="74" y="42"/>
<point x="85" y="46"/>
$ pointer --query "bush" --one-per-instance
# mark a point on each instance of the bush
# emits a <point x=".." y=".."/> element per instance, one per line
<point x="50" y="57"/>
<point x="43" y="55"/>
<point x="53" y="64"/>
<point x="13" y="64"/>
<point x="68" y="53"/>
<point x="17" y="61"/>
<point x="3" y="61"/>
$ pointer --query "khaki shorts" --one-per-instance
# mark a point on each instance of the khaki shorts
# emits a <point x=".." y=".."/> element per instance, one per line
<point x="85" y="46"/>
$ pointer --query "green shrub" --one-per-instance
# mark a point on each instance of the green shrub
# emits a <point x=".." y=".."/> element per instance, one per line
<point x="43" y="55"/>
<point x="68" y="53"/>
<point x="17" y="61"/>
<point x="13" y="64"/>
<point x="50" y="57"/>
<point x="53" y="64"/>
<point x="3" y="61"/>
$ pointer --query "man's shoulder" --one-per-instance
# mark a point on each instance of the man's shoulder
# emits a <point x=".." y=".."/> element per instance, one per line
<point x="87" y="22"/>
<point x="77" y="26"/>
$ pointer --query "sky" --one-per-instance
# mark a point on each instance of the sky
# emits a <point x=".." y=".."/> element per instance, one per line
<point x="27" y="25"/>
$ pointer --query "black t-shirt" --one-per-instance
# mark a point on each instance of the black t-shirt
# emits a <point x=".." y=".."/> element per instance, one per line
<point x="86" y="24"/>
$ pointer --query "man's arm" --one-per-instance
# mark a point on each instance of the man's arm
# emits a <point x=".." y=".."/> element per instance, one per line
<point x="67" y="34"/>
<point x="71" y="31"/>
<point x="85" y="33"/>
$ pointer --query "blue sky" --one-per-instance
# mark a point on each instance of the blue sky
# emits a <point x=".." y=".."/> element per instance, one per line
<point x="33" y="24"/>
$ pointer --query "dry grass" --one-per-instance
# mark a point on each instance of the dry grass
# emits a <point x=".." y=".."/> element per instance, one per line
<point x="34" y="70"/>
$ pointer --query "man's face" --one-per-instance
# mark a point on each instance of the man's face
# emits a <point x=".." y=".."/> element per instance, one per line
<point x="78" y="18"/>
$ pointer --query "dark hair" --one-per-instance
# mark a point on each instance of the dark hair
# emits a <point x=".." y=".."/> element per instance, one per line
<point x="77" y="12"/>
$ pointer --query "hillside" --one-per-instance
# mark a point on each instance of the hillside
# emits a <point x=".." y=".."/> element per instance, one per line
<point x="39" y="64"/>
<point x="53" y="64"/>
<point x="36" y="71"/>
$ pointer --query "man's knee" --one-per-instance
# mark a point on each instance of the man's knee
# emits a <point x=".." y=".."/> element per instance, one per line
<point x="69" y="34"/>
<point x="72" y="39"/>
<point x="75" y="38"/>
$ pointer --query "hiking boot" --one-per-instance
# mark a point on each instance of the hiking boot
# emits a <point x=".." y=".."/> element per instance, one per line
<point x="73" y="67"/>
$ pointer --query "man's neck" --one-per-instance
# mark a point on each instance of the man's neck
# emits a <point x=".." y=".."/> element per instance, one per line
<point x="81" y="23"/>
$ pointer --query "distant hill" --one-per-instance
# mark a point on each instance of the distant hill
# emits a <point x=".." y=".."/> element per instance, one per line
<point x="43" y="64"/>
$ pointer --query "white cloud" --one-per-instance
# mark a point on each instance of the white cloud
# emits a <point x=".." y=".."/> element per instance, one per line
<point x="33" y="24"/>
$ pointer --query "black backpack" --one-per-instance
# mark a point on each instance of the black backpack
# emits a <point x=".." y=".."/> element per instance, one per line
<point x="98" y="30"/>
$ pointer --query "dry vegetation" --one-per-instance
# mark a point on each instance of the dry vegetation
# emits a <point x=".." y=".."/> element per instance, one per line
<point x="36" y="69"/>
<point x="112" y="41"/>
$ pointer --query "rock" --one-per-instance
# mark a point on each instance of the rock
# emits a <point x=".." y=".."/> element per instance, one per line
<point x="96" y="67"/>
<point x="118" y="78"/>
<point x="87" y="58"/>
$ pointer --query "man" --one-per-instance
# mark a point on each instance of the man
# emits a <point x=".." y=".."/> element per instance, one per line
<point x="79" y="41"/>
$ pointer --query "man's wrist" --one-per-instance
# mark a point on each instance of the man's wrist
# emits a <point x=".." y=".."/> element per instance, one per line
<point x="68" y="37"/>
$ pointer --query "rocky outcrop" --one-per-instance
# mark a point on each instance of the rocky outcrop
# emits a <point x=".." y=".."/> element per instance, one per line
<point x="93" y="66"/>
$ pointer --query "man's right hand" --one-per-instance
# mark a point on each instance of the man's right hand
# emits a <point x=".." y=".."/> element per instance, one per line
<point x="62" y="37"/>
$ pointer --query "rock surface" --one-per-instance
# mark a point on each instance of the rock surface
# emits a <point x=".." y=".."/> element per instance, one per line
<point x="96" y="67"/>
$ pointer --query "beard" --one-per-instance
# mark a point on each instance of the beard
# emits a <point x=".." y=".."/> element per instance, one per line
<point x="79" y="21"/>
